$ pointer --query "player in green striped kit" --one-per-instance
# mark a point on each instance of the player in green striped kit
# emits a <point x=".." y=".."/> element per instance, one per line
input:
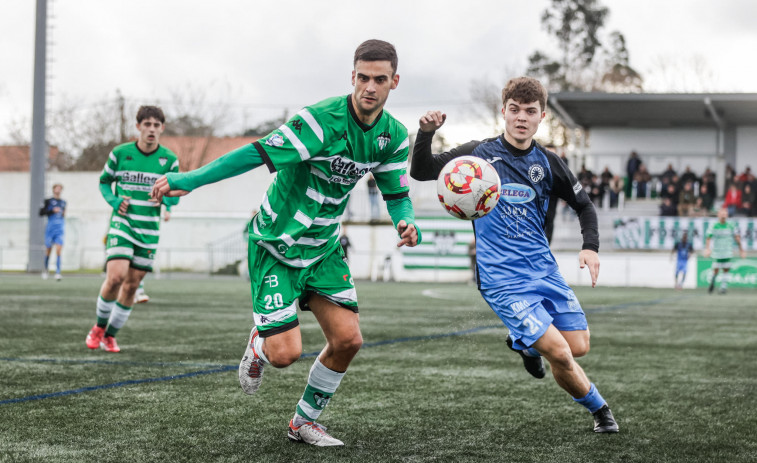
<point x="134" y="225"/>
<point x="294" y="254"/>
<point x="721" y="236"/>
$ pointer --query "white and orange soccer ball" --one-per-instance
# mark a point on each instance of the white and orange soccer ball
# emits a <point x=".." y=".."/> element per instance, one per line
<point x="468" y="187"/>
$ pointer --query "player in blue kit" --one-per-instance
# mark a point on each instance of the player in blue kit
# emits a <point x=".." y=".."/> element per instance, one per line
<point x="516" y="272"/>
<point x="683" y="250"/>
<point x="55" y="210"/>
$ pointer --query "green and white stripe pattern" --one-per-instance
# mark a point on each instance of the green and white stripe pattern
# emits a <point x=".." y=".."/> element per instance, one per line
<point x="444" y="247"/>
<point x="722" y="240"/>
<point x="134" y="173"/>
<point x="320" y="155"/>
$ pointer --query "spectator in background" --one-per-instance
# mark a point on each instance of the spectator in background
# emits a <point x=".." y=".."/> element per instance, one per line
<point x="642" y="178"/>
<point x="667" y="208"/>
<point x="708" y="178"/>
<point x="596" y="191"/>
<point x="667" y="176"/>
<point x="606" y="176"/>
<point x="689" y="176"/>
<point x="705" y="193"/>
<point x="698" y="210"/>
<point x="686" y="199"/>
<point x="732" y="199"/>
<point x="670" y="191"/>
<point x="730" y="173"/>
<point x="615" y="187"/>
<point x="743" y="178"/>
<point x="748" y="198"/>
<point x="584" y="175"/>
<point x="632" y="166"/>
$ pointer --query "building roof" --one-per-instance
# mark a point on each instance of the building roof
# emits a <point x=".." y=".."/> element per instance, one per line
<point x="654" y="110"/>
<point x="15" y="158"/>
<point x="194" y="152"/>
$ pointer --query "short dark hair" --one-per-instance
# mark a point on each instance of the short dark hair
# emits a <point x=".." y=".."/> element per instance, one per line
<point x="376" y="50"/>
<point x="525" y="90"/>
<point x="146" y="112"/>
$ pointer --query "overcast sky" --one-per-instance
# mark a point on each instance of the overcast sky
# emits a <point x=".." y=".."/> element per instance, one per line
<point x="260" y="58"/>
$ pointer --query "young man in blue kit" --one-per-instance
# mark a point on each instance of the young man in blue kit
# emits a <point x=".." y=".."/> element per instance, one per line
<point x="683" y="250"/>
<point x="517" y="274"/>
<point x="55" y="210"/>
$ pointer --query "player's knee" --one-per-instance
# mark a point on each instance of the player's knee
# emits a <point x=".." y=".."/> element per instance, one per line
<point x="115" y="280"/>
<point x="560" y="358"/>
<point x="580" y="349"/>
<point x="347" y="343"/>
<point x="283" y="356"/>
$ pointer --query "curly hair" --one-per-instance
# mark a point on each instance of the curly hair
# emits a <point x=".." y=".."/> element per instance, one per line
<point x="525" y="90"/>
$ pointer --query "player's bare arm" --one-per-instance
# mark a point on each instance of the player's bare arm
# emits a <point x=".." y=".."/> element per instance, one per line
<point x="707" y="250"/>
<point x="162" y="188"/>
<point x="408" y="234"/>
<point x="742" y="253"/>
<point x="589" y="258"/>
<point x="432" y="120"/>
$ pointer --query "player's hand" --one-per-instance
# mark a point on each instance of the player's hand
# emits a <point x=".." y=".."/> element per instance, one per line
<point x="408" y="234"/>
<point x="56" y="210"/>
<point x="432" y="120"/>
<point x="589" y="258"/>
<point x="124" y="205"/>
<point x="162" y="188"/>
<point x="742" y="253"/>
<point x="707" y="252"/>
<point x="166" y="216"/>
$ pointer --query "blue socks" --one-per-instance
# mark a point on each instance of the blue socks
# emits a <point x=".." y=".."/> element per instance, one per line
<point x="593" y="401"/>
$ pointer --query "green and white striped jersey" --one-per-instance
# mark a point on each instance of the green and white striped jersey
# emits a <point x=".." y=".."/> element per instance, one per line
<point x="134" y="173"/>
<point x="319" y="155"/>
<point x="722" y="240"/>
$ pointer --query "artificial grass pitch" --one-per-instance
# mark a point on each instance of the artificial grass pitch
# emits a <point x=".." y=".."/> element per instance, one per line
<point x="433" y="382"/>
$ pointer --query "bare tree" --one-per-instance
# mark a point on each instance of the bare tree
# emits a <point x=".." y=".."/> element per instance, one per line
<point x="685" y="74"/>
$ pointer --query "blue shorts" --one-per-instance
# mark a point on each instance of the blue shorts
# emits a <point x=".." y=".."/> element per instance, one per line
<point x="681" y="267"/>
<point x="53" y="235"/>
<point x="528" y="311"/>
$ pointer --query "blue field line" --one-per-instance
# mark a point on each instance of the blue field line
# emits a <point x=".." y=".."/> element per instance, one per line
<point x="118" y="384"/>
<point x="225" y="368"/>
<point x="111" y="362"/>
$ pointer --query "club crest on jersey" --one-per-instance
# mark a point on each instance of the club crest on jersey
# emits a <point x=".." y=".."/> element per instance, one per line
<point x="383" y="139"/>
<point x="536" y="173"/>
<point x="162" y="161"/>
<point x="276" y="141"/>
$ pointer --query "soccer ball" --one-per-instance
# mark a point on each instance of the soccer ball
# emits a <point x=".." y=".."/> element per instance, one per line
<point x="468" y="187"/>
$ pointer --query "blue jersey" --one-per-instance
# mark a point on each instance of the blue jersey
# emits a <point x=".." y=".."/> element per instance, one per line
<point x="55" y="220"/>
<point x="683" y="250"/>
<point x="511" y="245"/>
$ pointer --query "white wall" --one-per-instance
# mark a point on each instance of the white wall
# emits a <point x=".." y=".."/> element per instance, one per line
<point x="746" y="148"/>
